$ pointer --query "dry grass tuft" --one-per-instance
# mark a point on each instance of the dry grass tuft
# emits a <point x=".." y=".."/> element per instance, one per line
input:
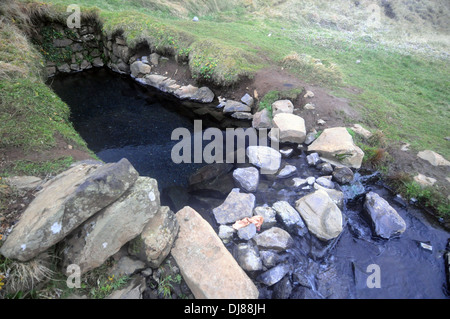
<point x="23" y="277"/>
<point x="315" y="70"/>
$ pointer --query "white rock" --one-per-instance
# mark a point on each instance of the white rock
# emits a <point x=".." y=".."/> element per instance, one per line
<point x="433" y="158"/>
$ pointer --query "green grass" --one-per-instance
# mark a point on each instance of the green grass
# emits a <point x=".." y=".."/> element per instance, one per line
<point x="270" y="97"/>
<point x="31" y="115"/>
<point x="30" y="168"/>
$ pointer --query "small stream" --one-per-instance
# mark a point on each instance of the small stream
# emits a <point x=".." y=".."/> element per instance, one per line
<point x="118" y="118"/>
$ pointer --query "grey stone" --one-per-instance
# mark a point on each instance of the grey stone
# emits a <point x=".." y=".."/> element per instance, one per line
<point x="270" y="258"/>
<point x="274" y="238"/>
<point x="127" y="266"/>
<point x="64" y="203"/>
<point x="313" y="159"/>
<point x="336" y="196"/>
<point x="64" y="68"/>
<point x="75" y="67"/>
<point x="206" y="265"/>
<point x="321" y="215"/>
<point x="98" y="62"/>
<point x="336" y="146"/>
<point x="288" y="215"/>
<point x="274" y="275"/>
<point x="154" y="58"/>
<point x="234" y="106"/>
<point x="102" y="235"/>
<point x="247" y="256"/>
<point x="282" y="106"/>
<point x="286" y="152"/>
<point x="247" y="232"/>
<point x="287" y="171"/>
<point x="24" y="183"/>
<point x="51" y="71"/>
<point x="139" y="68"/>
<point x="153" y="244"/>
<point x="268" y="214"/>
<point x="325" y="182"/>
<point x="226" y="233"/>
<point x="387" y="221"/>
<point x="325" y="168"/>
<point x="264" y="157"/>
<point x="291" y="128"/>
<point x="343" y="175"/>
<point x="62" y="43"/>
<point x="247" y="178"/>
<point x="247" y="99"/>
<point x="242" y="115"/>
<point x="262" y="120"/>
<point x="235" y="207"/>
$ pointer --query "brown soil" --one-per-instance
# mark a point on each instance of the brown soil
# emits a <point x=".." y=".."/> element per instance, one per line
<point x="62" y="149"/>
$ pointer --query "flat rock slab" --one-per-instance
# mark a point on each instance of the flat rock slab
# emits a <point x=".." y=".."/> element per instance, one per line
<point x="387" y="221"/>
<point x="282" y="106"/>
<point x="247" y="178"/>
<point x="265" y="158"/>
<point x="235" y="207"/>
<point x="102" y="235"/>
<point x="291" y="128"/>
<point x="64" y="203"/>
<point x="206" y="265"/>
<point x="433" y="158"/>
<point x="336" y="146"/>
<point x="154" y="243"/>
<point x="24" y="183"/>
<point x="321" y="215"/>
<point x="274" y="238"/>
<point x="231" y="106"/>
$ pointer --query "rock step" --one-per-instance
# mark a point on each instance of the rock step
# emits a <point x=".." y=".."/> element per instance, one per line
<point x="207" y="266"/>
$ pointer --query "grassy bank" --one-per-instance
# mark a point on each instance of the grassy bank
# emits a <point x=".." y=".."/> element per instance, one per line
<point x="32" y="117"/>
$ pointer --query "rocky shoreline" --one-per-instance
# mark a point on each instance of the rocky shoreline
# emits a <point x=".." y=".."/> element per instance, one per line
<point x="108" y="210"/>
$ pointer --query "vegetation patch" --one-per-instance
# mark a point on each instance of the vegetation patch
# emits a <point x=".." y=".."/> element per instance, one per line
<point x="31" y="114"/>
<point x="272" y="96"/>
<point x="315" y="70"/>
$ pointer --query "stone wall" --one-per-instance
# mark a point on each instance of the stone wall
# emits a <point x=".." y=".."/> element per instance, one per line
<point x="71" y="50"/>
<point x="74" y="50"/>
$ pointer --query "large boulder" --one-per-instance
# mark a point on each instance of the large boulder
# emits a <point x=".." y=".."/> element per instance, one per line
<point x="386" y="220"/>
<point x="336" y="146"/>
<point x="235" y="207"/>
<point x="264" y="157"/>
<point x="291" y="128"/>
<point x="321" y="215"/>
<point x="154" y="243"/>
<point x="206" y="265"/>
<point x="102" y="235"/>
<point x="64" y="203"/>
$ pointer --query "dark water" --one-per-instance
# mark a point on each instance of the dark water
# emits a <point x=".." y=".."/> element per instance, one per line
<point x="117" y="118"/>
